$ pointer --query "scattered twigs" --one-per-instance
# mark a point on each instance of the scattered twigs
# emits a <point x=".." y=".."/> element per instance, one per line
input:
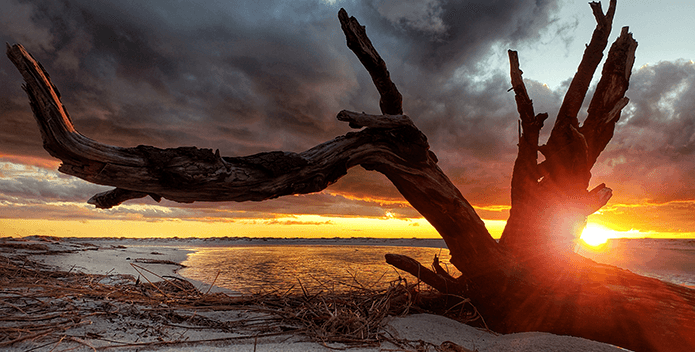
<point x="58" y="343"/>
<point x="213" y="282"/>
<point x="82" y="342"/>
<point x="476" y="315"/>
<point x="166" y="281"/>
<point x="193" y="342"/>
<point x="13" y="306"/>
<point x="26" y="337"/>
<point x="137" y="268"/>
<point x="350" y="318"/>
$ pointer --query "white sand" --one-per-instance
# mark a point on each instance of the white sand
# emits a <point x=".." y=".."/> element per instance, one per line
<point x="121" y="257"/>
<point x="116" y="257"/>
<point x="436" y="329"/>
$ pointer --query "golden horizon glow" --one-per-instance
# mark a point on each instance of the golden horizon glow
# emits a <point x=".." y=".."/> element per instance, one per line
<point x="289" y="226"/>
<point x="307" y="226"/>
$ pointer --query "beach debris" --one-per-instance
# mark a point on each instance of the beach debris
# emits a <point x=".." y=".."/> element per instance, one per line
<point x="157" y="261"/>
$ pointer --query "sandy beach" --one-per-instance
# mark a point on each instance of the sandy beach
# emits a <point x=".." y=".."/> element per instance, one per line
<point x="125" y="294"/>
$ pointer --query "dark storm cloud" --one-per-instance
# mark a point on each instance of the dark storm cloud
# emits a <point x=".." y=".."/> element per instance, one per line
<point x="441" y="36"/>
<point x="261" y="69"/>
<point x="251" y="76"/>
<point x="18" y="132"/>
<point x="652" y="155"/>
<point x="166" y="75"/>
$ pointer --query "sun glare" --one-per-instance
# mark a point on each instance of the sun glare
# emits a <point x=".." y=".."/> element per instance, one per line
<point x="596" y="235"/>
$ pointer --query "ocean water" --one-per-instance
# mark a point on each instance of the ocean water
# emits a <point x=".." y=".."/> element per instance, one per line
<point x="665" y="259"/>
<point x="254" y="268"/>
<point x="267" y="268"/>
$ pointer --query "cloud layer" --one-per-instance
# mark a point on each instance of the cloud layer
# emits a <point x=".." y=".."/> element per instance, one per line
<point x="252" y="76"/>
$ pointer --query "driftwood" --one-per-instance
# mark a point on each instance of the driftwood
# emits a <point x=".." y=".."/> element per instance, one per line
<point x="550" y="201"/>
<point x="530" y="281"/>
<point x="439" y="279"/>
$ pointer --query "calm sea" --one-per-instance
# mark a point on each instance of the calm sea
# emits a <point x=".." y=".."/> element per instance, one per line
<point x="253" y="268"/>
<point x="666" y="259"/>
<point x="265" y="268"/>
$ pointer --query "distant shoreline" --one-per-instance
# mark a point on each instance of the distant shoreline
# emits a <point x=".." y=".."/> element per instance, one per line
<point x="255" y="241"/>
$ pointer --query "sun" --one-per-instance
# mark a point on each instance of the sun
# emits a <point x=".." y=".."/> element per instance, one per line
<point x="596" y="235"/>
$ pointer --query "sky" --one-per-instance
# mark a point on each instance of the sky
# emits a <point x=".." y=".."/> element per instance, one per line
<point x="252" y="76"/>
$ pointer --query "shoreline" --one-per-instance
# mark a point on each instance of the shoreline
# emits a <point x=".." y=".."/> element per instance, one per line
<point x="603" y="255"/>
<point x="241" y="241"/>
<point x="99" y="319"/>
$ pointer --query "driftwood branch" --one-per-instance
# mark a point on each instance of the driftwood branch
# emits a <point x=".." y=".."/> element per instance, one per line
<point x="442" y="283"/>
<point x="189" y="174"/>
<point x="391" y="145"/>
<point x="374" y="121"/>
<point x="391" y="101"/>
<point x="590" y="61"/>
<point x="565" y="151"/>
<point x="609" y="99"/>
<point x="526" y="171"/>
<point x="116" y="196"/>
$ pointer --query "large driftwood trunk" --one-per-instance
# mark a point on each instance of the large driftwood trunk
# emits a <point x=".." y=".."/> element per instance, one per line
<point x="550" y="201"/>
<point x="530" y="281"/>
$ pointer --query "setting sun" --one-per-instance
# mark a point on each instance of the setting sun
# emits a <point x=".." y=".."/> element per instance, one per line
<point x="595" y="235"/>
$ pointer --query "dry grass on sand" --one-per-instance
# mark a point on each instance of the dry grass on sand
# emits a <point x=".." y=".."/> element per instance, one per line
<point x="42" y="308"/>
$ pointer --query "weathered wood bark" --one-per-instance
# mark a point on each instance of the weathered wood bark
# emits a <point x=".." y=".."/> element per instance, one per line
<point x="550" y="201"/>
<point x="514" y="288"/>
